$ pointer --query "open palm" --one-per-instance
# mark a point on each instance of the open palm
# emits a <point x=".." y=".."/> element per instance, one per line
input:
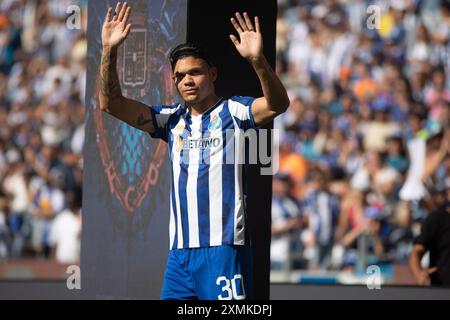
<point x="250" y="45"/>
<point x="115" y="28"/>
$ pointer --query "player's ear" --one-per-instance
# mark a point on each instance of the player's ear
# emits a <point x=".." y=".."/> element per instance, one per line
<point x="213" y="73"/>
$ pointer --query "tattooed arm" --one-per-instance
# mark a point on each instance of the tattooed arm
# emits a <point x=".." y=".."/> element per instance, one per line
<point x="114" y="32"/>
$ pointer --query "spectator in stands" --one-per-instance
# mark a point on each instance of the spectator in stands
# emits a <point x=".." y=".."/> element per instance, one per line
<point x="4" y="232"/>
<point x="286" y="223"/>
<point x="321" y="207"/>
<point x="435" y="238"/>
<point x="372" y="103"/>
<point x="65" y="231"/>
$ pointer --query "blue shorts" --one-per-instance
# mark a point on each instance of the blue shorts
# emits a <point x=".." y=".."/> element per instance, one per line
<point x="212" y="273"/>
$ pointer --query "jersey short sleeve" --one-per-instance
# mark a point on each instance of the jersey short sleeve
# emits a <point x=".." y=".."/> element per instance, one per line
<point x="160" y="117"/>
<point x="240" y="109"/>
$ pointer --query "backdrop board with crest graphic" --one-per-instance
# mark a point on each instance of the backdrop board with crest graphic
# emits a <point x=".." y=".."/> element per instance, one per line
<point x="126" y="172"/>
<point x="125" y="240"/>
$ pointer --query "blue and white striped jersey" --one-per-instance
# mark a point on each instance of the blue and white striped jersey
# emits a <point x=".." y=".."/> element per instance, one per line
<point x="207" y="200"/>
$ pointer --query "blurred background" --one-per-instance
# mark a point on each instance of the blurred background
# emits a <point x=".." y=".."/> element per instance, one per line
<point x="364" y="145"/>
<point x="364" y="149"/>
<point x="42" y="87"/>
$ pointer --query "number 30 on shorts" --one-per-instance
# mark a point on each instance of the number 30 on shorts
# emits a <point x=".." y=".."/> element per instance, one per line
<point x="230" y="287"/>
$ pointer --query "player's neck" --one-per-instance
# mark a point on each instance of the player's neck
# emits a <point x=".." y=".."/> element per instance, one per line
<point x="203" y="106"/>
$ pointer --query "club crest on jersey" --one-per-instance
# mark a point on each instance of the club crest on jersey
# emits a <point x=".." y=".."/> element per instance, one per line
<point x="214" y="123"/>
<point x="178" y="129"/>
<point x="178" y="143"/>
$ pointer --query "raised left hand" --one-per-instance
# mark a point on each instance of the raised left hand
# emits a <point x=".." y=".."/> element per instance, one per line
<point x="250" y="44"/>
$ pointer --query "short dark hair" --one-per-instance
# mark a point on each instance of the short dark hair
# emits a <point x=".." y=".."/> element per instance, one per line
<point x="189" y="50"/>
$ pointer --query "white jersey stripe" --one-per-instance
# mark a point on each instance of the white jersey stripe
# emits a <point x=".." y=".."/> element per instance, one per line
<point x="191" y="189"/>
<point x="171" y="222"/>
<point x="215" y="193"/>
<point x="239" y="219"/>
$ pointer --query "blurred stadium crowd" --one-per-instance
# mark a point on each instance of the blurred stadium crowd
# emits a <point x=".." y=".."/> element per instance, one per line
<point x="364" y="147"/>
<point x="42" y="87"/>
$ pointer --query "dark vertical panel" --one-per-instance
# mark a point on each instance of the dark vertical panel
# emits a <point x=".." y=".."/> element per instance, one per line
<point x="209" y="24"/>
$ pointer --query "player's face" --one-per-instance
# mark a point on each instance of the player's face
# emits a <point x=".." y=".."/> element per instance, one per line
<point x="194" y="79"/>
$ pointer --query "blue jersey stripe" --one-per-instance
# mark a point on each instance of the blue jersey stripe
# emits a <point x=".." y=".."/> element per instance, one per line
<point x="182" y="184"/>
<point x="228" y="182"/>
<point x="203" y="190"/>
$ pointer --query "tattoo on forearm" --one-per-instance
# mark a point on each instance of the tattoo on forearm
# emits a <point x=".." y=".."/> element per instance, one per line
<point x="142" y="121"/>
<point x="109" y="81"/>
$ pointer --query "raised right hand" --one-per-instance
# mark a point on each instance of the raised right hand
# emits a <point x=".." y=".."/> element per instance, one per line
<point x="115" y="28"/>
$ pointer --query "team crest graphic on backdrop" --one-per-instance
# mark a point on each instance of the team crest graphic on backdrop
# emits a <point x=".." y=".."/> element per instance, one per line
<point x="131" y="161"/>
